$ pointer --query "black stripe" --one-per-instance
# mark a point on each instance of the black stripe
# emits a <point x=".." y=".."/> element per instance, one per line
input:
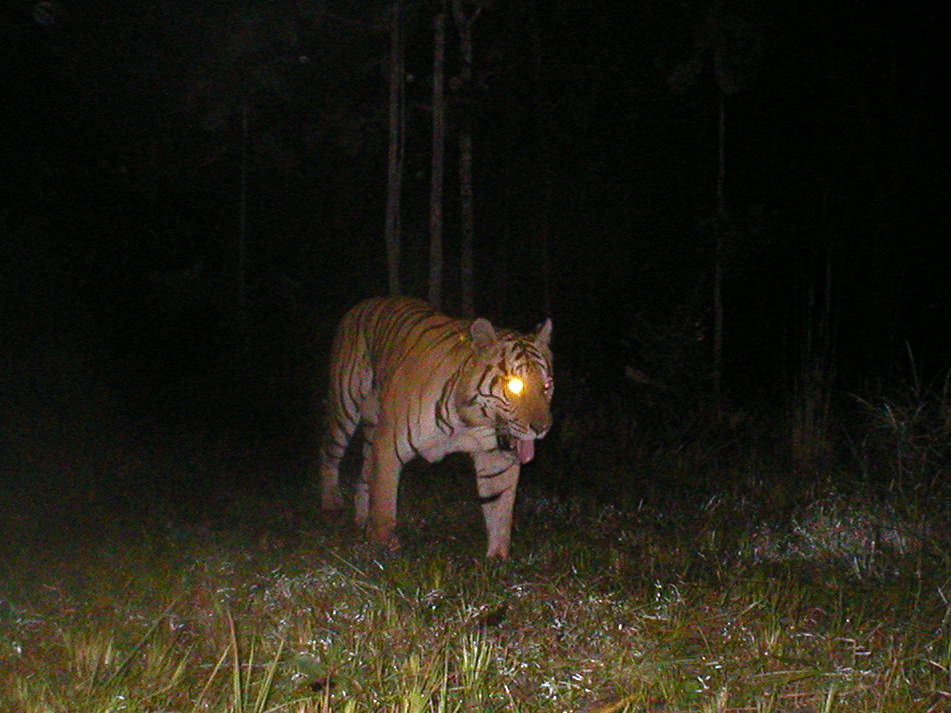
<point x="409" y="439"/>
<point x="496" y="473"/>
<point x="450" y="334"/>
<point x="395" y="450"/>
<point x="441" y="407"/>
<point x="486" y="499"/>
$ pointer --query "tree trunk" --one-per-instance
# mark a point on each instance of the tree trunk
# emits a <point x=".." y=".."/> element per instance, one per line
<point x="545" y="171"/>
<point x="506" y="236"/>
<point x="467" y="227"/>
<point x="241" y="268"/>
<point x="466" y="209"/>
<point x="719" y="227"/>
<point x="436" y="185"/>
<point x="394" y="155"/>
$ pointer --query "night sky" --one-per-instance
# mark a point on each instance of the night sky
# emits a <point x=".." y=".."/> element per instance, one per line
<point x="594" y="122"/>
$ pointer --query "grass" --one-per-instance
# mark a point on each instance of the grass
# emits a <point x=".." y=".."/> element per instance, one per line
<point x="678" y="605"/>
<point x="697" y="583"/>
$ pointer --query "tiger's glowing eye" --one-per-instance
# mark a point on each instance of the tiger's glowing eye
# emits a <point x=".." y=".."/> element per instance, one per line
<point x="515" y="385"/>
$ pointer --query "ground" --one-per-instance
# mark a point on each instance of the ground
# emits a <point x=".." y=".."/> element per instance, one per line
<point x="154" y="563"/>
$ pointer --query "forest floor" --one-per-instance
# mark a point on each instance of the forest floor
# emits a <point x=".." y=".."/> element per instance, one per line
<point x="151" y="566"/>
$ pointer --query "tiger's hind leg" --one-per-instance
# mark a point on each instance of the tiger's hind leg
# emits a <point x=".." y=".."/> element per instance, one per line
<point x="331" y="452"/>
<point x="361" y="496"/>
<point x="345" y="409"/>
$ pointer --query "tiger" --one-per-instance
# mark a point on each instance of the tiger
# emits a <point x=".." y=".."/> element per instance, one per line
<point x="424" y="384"/>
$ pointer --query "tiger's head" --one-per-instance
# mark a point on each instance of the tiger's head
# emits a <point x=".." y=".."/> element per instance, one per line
<point x="512" y="384"/>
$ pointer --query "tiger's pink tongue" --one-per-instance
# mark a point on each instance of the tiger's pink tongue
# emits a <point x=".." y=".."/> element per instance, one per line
<point x="526" y="449"/>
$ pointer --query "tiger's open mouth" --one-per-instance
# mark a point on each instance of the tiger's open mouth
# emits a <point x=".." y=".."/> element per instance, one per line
<point x="525" y="447"/>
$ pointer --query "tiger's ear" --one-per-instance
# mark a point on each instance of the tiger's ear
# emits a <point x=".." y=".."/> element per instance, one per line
<point x="543" y="332"/>
<point x="483" y="334"/>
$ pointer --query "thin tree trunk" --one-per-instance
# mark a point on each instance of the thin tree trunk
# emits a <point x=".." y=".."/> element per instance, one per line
<point x="466" y="208"/>
<point x="467" y="228"/>
<point x="394" y="156"/>
<point x="720" y="225"/>
<point x="544" y="162"/>
<point x="438" y="159"/>
<point x="241" y="289"/>
<point x="506" y="236"/>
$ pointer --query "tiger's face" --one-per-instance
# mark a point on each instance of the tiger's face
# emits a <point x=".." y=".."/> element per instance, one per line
<point x="514" y="385"/>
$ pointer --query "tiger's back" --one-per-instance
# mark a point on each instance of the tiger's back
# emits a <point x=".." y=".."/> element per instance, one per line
<point x="424" y="384"/>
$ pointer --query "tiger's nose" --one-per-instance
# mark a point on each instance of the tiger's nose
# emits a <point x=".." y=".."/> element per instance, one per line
<point x="540" y="428"/>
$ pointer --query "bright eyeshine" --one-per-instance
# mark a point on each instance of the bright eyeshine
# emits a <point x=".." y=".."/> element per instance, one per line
<point x="515" y="385"/>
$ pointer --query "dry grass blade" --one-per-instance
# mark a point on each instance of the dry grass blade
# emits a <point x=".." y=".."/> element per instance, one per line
<point x="264" y="691"/>
<point x="211" y="678"/>
<point x="614" y="706"/>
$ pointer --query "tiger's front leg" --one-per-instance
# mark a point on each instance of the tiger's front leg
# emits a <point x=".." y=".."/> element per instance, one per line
<point x="497" y="480"/>
<point x="384" y="481"/>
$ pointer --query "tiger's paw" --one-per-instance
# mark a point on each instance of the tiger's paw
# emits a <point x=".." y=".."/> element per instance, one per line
<point x="499" y="553"/>
<point x="392" y="543"/>
<point x="385" y="537"/>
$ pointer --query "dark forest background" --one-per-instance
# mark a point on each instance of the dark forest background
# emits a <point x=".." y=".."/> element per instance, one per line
<point x="595" y="124"/>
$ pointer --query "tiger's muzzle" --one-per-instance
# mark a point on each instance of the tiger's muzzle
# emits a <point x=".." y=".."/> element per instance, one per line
<point x="510" y="438"/>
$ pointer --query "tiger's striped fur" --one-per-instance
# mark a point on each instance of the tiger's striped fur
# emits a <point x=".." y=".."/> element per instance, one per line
<point x="423" y="384"/>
